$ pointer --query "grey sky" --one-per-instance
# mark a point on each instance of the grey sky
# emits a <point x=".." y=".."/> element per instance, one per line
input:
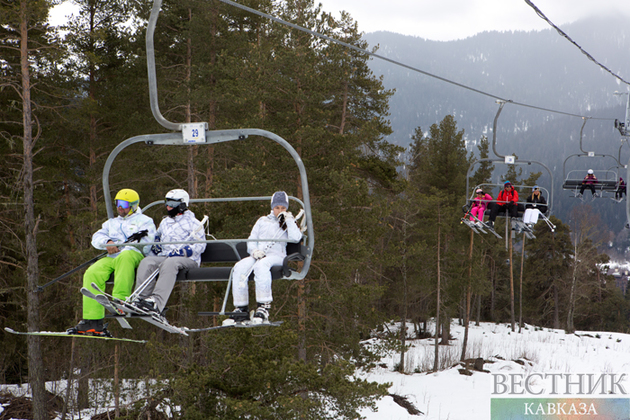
<point x="445" y="20"/>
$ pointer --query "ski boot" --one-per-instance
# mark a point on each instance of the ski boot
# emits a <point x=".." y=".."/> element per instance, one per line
<point x="241" y="314"/>
<point x="262" y="313"/>
<point x="90" y="327"/>
<point x="151" y="307"/>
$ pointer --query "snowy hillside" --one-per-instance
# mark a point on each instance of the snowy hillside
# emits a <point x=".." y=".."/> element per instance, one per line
<point x="542" y="355"/>
<point x="451" y="395"/>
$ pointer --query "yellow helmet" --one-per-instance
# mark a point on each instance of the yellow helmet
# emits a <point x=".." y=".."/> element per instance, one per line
<point x="130" y="196"/>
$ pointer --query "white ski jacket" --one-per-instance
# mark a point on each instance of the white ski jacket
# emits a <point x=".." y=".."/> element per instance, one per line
<point x="119" y="229"/>
<point x="268" y="227"/>
<point x="181" y="228"/>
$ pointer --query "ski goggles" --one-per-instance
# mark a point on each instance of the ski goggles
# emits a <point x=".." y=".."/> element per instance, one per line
<point x="122" y="203"/>
<point x="172" y="203"/>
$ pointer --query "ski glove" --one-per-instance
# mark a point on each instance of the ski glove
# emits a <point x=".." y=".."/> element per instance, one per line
<point x="185" y="251"/>
<point x="156" y="249"/>
<point x="286" y="214"/>
<point x="137" y="236"/>
<point x="257" y="254"/>
<point x="282" y="219"/>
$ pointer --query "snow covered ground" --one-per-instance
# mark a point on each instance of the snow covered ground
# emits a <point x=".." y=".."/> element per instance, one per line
<point x="538" y="362"/>
<point x="546" y="358"/>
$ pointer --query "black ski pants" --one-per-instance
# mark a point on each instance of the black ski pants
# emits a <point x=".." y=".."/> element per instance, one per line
<point x="495" y="209"/>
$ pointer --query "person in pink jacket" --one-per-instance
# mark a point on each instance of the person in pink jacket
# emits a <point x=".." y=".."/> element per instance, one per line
<point x="480" y="203"/>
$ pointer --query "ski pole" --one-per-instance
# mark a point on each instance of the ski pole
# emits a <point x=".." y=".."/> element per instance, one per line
<point x="135" y="237"/>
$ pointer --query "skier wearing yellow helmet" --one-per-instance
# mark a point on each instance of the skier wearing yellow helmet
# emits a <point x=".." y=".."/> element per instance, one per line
<point x="120" y="261"/>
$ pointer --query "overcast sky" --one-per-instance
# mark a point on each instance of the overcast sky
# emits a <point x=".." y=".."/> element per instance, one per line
<point x="445" y="20"/>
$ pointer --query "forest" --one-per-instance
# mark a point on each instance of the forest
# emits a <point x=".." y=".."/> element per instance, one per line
<point x="389" y="242"/>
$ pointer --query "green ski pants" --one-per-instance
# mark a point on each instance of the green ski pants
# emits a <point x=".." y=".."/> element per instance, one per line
<point x="124" y="268"/>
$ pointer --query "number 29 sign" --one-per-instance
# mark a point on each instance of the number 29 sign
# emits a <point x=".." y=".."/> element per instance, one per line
<point x="194" y="133"/>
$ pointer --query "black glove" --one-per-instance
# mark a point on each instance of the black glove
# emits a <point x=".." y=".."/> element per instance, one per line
<point x="137" y="236"/>
<point x="282" y="222"/>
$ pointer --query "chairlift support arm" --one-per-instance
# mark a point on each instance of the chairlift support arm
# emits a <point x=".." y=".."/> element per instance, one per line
<point x="494" y="132"/>
<point x="153" y="93"/>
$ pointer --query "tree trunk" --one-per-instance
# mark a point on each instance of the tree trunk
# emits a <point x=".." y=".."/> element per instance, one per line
<point x="509" y="237"/>
<point x="520" y="289"/>
<point x="83" y="384"/>
<point x="35" y="364"/>
<point x="571" y="308"/>
<point x="478" y="320"/>
<point x="116" y="381"/>
<point x="69" y="383"/>
<point x="556" y="307"/>
<point x="494" y="288"/>
<point x="93" y="125"/>
<point x="556" y="297"/>
<point x="468" y="296"/>
<point x="403" y="324"/>
<point x="573" y="290"/>
<point x="437" y="308"/>
<point x="301" y="321"/>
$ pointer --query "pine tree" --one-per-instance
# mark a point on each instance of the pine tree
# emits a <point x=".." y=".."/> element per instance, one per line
<point x="438" y="172"/>
<point x="547" y="266"/>
<point x="25" y="37"/>
<point x="586" y="235"/>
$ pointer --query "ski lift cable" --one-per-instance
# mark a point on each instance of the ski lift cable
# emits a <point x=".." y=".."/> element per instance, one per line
<point x="568" y="38"/>
<point x="398" y="63"/>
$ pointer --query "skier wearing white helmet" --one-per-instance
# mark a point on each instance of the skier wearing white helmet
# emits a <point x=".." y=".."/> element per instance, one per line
<point x="279" y="224"/>
<point x="130" y="226"/>
<point x="589" y="181"/>
<point x="179" y="226"/>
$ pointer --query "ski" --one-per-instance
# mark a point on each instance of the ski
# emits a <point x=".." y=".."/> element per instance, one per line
<point x="135" y="312"/>
<point x="485" y="227"/>
<point x="247" y="324"/>
<point x="470" y="224"/>
<point x="521" y="227"/>
<point x="65" y="334"/>
<point x="118" y="315"/>
<point x="491" y="230"/>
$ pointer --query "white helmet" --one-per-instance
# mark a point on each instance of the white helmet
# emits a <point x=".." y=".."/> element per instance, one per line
<point x="178" y="199"/>
<point x="590" y="172"/>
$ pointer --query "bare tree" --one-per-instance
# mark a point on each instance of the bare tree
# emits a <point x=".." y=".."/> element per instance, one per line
<point x="35" y="365"/>
<point x="586" y="236"/>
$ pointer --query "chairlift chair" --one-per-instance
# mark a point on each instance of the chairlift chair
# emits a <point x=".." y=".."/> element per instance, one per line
<point x="509" y="160"/>
<point x="522" y="203"/>
<point x="607" y="180"/>
<point x="227" y="251"/>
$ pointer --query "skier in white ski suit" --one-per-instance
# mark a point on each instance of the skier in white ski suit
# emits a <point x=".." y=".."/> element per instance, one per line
<point x="263" y="256"/>
<point x="179" y="225"/>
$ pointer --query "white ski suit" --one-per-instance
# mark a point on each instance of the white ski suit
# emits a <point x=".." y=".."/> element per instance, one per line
<point x="267" y="227"/>
<point x="119" y="229"/>
<point x="183" y="227"/>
